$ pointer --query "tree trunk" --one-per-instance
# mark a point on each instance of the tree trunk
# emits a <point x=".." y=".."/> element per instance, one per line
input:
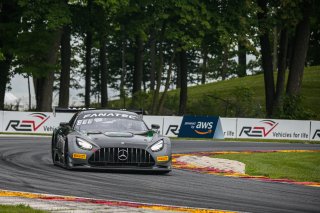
<point x="4" y="77"/>
<point x="178" y="74"/>
<point x="44" y="85"/>
<point x="300" y="49"/>
<point x="266" y="60"/>
<point x="282" y="66"/>
<point x="88" y="44"/>
<point x="275" y="49"/>
<point x="138" y="70"/>
<point x="103" y="70"/>
<point x="123" y="72"/>
<point x="242" y="58"/>
<point x="204" y="65"/>
<point x="167" y="84"/>
<point x="29" y="93"/>
<point x="65" y="67"/>
<point x="225" y="57"/>
<point x="153" y="61"/>
<point x="184" y="83"/>
<point x="9" y="19"/>
<point x="159" y="76"/>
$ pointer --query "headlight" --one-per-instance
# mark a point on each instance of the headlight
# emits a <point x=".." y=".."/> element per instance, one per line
<point x="84" y="144"/>
<point x="157" y="146"/>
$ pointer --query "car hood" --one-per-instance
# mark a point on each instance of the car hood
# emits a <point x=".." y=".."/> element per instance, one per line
<point x="120" y="139"/>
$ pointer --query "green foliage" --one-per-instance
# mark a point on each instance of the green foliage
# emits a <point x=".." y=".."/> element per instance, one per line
<point x="19" y="209"/>
<point x="294" y="166"/>
<point x="294" y="109"/>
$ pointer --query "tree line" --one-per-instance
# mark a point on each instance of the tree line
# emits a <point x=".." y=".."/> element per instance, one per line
<point x="144" y="47"/>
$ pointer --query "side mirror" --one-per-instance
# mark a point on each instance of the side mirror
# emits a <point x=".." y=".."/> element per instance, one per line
<point x="155" y="126"/>
<point x="64" y="124"/>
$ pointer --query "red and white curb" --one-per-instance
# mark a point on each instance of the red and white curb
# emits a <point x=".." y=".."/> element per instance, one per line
<point x="56" y="203"/>
<point x="218" y="171"/>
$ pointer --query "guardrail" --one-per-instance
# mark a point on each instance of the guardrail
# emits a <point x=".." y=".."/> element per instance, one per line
<point x="40" y="122"/>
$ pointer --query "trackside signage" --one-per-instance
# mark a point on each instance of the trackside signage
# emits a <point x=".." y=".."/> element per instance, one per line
<point x="315" y="131"/>
<point x="32" y="122"/>
<point x="229" y="126"/>
<point x="273" y="129"/>
<point x="200" y="127"/>
<point x="171" y="125"/>
<point x="174" y="126"/>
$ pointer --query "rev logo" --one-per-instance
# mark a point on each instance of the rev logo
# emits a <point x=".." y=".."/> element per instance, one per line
<point x="203" y="128"/>
<point x="173" y="129"/>
<point x="261" y="130"/>
<point x="316" y="134"/>
<point x="28" y="125"/>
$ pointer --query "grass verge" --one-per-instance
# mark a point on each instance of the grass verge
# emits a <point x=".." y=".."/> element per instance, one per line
<point x="19" y="209"/>
<point x="248" y="140"/>
<point x="294" y="166"/>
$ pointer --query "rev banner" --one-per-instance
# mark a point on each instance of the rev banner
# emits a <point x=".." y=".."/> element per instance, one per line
<point x="200" y="127"/>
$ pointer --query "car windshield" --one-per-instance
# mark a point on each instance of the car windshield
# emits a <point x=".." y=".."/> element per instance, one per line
<point x="110" y="124"/>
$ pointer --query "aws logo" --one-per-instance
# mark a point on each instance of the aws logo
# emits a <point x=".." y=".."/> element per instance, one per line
<point x="29" y="125"/>
<point x="203" y="128"/>
<point x="261" y="130"/>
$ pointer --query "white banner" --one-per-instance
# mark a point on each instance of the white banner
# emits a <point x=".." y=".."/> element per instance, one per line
<point x="1" y="120"/>
<point x="315" y="131"/>
<point x="273" y="129"/>
<point x="32" y="122"/>
<point x="172" y="125"/>
<point x="229" y="127"/>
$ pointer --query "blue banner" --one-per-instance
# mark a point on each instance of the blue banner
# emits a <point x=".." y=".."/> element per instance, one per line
<point x="200" y="127"/>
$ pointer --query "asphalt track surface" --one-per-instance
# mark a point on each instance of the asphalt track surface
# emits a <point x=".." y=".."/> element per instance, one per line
<point x="25" y="165"/>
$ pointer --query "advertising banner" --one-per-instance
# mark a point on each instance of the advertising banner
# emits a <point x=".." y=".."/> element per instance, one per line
<point x="171" y="125"/>
<point x="315" y="131"/>
<point x="273" y="129"/>
<point x="1" y="121"/>
<point x="32" y="122"/>
<point x="200" y="127"/>
<point x="149" y="120"/>
<point x="229" y="127"/>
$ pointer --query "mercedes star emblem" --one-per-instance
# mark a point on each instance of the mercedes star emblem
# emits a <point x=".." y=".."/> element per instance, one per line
<point x="122" y="154"/>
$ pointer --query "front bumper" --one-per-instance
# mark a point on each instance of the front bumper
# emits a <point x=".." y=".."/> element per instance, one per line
<point x="121" y="158"/>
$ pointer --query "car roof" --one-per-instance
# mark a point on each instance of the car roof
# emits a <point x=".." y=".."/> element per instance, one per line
<point x="108" y="111"/>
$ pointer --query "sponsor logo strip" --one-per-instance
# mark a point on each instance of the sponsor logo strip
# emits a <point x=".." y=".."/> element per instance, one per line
<point x="146" y="206"/>
<point x="209" y="170"/>
<point x="162" y="158"/>
<point x="79" y="156"/>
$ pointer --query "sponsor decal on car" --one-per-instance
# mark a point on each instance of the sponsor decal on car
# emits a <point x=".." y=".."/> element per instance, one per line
<point x="29" y="125"/>
<point x="162" y="158"/>
<point x="79" y="156"/>
<point x="110" y="114"/>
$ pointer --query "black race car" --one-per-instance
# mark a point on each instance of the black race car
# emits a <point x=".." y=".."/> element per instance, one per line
<point x="110" y="139"/>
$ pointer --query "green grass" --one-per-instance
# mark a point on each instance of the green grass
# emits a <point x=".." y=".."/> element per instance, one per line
<point x="294" y="166"/>
<point x="19" y="209"/>
<point x="201" y="102"/>
<point x="262" y="140"/>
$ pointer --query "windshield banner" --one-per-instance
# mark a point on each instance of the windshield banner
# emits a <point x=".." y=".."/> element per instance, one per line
<point x="201" y="127"/>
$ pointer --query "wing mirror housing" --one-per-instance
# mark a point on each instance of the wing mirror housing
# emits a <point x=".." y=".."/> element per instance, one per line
<point x="64" y="124"/>
<point x="155" y="126"/>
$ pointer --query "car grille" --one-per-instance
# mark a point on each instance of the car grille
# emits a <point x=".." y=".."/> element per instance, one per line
<point x="127" y="157"/>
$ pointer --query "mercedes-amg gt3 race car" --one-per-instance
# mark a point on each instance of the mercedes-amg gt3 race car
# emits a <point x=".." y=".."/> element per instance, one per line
<point x="110" y="139"/>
